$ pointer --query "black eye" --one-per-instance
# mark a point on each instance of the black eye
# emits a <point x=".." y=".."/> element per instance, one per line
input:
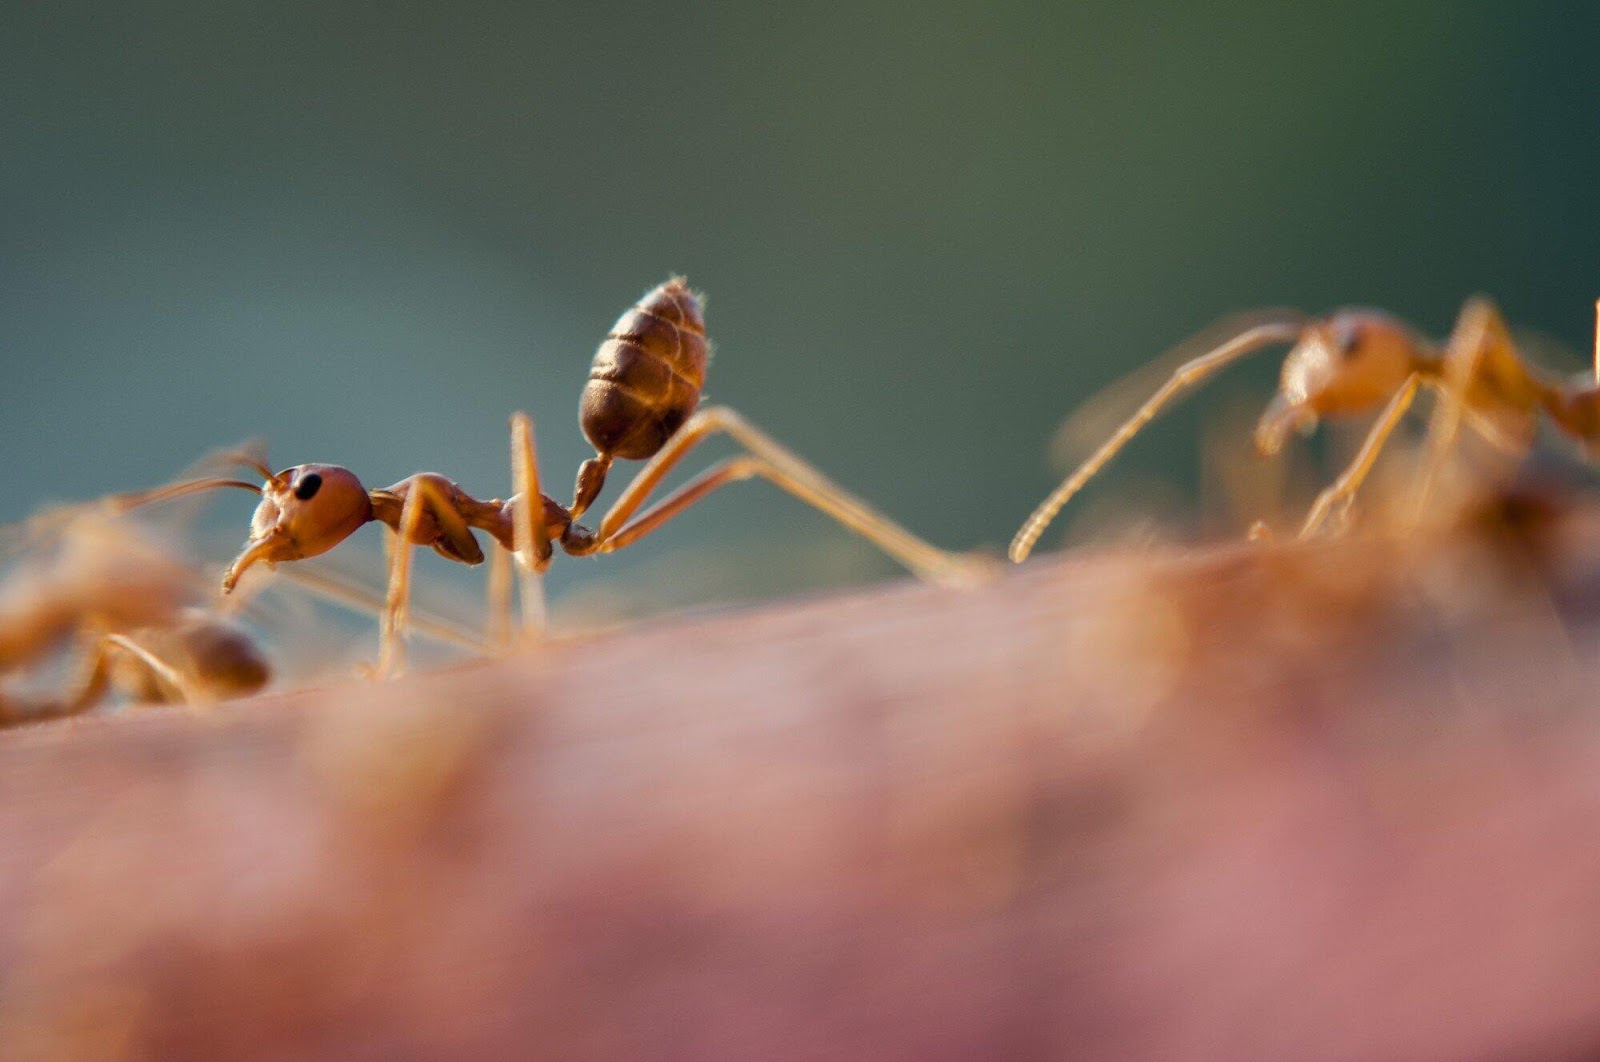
<point x="307" y="487"/>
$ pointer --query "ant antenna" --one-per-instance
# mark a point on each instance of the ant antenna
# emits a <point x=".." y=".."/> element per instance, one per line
<point x="1185" y="377"/>
<point x="122" y="503"/>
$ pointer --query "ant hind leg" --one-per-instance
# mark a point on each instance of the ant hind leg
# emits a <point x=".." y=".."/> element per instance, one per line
<point x="527" y="527"/>
<point x="774" y="462"/>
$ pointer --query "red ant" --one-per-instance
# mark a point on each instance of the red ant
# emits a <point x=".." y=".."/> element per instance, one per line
<point x="639" y="403"/>
<point x="1355" y="360"/>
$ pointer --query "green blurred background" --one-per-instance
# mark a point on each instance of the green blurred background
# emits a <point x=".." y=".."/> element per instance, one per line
<point x="926" y="231"/>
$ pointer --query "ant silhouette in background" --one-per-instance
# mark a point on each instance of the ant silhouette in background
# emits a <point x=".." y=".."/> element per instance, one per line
<point x="639" y="403"/>
<point x="132" y="606"/>
<point x="1357" y="360"/>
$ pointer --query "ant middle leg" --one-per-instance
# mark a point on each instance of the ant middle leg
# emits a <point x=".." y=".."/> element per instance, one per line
<point x="768" y="459"/>
<point x="1479" y="346"/>
<point x="422" y="498"/>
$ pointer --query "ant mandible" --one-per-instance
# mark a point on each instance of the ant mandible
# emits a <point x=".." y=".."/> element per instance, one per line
<point x="1349" y="363"/>
<point x="639" y="403"/>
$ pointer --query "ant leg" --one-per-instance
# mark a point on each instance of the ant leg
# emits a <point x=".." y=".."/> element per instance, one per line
<point x="192" y="694"/>
<point x="788" y="472"/>
<point x="497" y="624"/>
<point x="719" y="475"/>
<point x="96" y="681"/>
<point x="1478" y="328"/>
<point x="1338" y="496"/>
<point x="527" y="526"/>
<point x="391" y="643"/>
<point x="1186" y="376"/>
<point x="338" y="590"/>
<point x="420" y="497"/>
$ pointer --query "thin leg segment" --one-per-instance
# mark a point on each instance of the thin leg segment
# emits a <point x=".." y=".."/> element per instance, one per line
<point x="341" y="591"/>
<point x="391" y="640"/>
<point x="527" y="525"/>
<point x="1464" y="359"/>
<point x="1185" y="377"/>
<point x="191" y="692"/>
<point x="1342" y="491"/>
<point x="774" y="462"/>
<point x="720" y="475"/>
<point x="498" y="621"/>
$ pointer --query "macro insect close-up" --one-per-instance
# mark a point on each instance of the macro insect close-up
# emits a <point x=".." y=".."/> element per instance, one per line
<point x="1269" y="733"/>
<point x="1356" y="362"/>
<point x="639" y="404"/>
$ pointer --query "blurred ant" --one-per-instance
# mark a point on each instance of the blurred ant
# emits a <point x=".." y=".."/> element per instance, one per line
<point x="198" y="659"/>
<point x="639" y="403"/>
<point x="130" y="603"/>
<point x="1351" y="362"/>
<point x="135" y="610"/>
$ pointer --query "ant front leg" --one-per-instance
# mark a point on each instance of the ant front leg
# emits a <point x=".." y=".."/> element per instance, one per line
<point x="453" y="538"/>
<point x="768" y="459"/>
<point x="1336" y="499"/>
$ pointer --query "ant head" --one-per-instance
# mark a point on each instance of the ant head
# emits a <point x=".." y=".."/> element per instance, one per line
<point x="304" y="511"/>
<point x="1344" y="364"/>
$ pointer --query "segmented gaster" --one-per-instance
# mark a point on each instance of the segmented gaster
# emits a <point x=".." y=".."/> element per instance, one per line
<point x="646" y="377"/>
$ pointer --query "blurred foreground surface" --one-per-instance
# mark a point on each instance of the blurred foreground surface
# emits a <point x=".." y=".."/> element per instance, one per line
<point x="1330" y="801"/>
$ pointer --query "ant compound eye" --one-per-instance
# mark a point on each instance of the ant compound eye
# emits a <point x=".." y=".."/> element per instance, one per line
<point x="307" y="487"/>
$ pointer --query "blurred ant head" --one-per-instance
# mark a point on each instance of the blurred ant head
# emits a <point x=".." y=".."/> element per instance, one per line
<point x="1347" y="363"/>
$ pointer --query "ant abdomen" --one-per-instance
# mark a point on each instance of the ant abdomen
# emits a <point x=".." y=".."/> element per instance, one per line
<point x="646" y="377"/>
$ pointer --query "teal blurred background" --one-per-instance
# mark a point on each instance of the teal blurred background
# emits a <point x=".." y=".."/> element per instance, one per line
<point x="926" y="231"/>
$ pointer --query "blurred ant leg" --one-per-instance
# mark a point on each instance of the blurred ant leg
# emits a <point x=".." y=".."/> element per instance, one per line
<point x="497" y="624"/>
<point x="789" y="473"/>
<point x="527" y="526"/>
<point x="391" y="635"/>
<point x="1476" y="327"/>
<point x="422" y="496"/>
<point x="192" y="694"/>
<point x="1342" y="491"/>
<point x="18" y="710"/>
<point x="339" y="591"/>
<point x="719" y="475"/>
<point x="1185" y="377"/>
<point x="96" y="681"/>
